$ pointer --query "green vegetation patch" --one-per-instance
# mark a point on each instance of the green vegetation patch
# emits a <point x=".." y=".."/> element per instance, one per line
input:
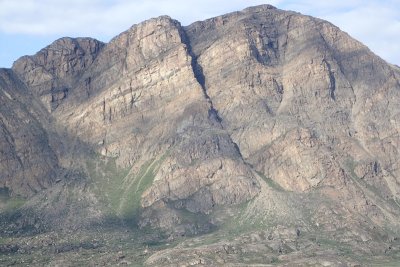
<point x="107" y="179"/>
<point x="121" y="189"/>
<point x="9" y="204"/>
<point x="129" y="206"/>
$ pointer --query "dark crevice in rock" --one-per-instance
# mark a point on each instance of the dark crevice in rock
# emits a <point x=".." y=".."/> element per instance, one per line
<point x="199" y="75"/>
<point x="332" y="80"/>
<point x="201" y="79"/>
<point x="238" y="151"/>
<point x="285" y="43"/>
<point x="213" y="114"/>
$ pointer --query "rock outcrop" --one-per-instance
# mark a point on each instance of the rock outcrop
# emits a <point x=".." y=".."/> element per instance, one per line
<point x="52" y="73"/>
<point x="27" y="162"/>
<point x="305" y="103"/>
<point x="263" y="118"/>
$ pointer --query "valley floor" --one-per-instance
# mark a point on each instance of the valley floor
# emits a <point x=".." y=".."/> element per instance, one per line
<point x="124" y="247"/>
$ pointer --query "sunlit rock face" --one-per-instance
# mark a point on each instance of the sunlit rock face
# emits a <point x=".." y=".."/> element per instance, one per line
<point x="166" y="125"/>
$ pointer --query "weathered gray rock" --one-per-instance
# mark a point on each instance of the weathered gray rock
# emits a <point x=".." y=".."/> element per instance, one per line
<point x="304" y="102"/>
<point x="260" y="118"/>
<point x="52" y="73"/>
<point x="27" y="162"/>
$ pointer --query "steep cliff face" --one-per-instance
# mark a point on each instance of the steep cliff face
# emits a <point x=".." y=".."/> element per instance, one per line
<point x="27" y="163"/>
<point x="259" y="120"/>
<point x="147" y="105"/>
<point x="140" y="99"/>
<point x="52" y="73"/>
<point x="305" y="103"/>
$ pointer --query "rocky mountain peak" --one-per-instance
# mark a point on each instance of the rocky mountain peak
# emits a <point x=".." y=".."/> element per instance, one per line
<point x="275" y="133"/>
<point x="259" y="8"/>
<point x="52" y="72"/>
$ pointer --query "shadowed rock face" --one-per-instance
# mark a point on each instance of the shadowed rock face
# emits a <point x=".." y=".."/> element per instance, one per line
<point x="301" y="98"/>
<point x="27" y="162"/>
<point x="239" y="107"/>
<point x="52" y="73"/>
<point x="140" y="99"/>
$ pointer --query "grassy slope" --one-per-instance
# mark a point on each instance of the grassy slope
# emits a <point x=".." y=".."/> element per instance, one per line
<point x="120" y="189"/>
<point x="9" y="204"/>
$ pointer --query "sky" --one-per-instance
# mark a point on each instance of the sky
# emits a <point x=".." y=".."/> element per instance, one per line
<point x="26" y="26"/>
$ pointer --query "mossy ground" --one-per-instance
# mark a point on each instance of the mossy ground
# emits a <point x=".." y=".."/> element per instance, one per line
<point x="119" y="188"/>
<point x="9" y="204"/>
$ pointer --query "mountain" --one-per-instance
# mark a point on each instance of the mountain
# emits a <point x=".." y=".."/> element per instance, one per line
<point x="258" y="137"/>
